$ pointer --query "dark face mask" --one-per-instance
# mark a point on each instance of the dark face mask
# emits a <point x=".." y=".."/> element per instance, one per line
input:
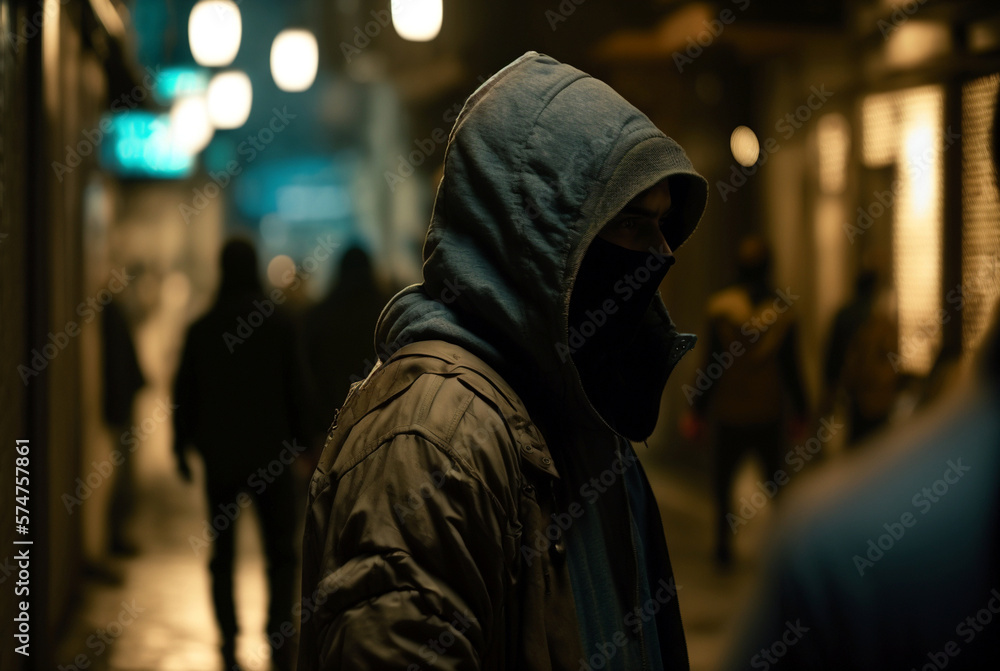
<point x="617" y="360"/>
<point x="613" y="290"/>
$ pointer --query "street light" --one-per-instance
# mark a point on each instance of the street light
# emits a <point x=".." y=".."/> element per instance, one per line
<point x="214" y="32"/>
<point x="294" y="59"/>
<point x="417" y="20"/>
<point x="230" y="96"/>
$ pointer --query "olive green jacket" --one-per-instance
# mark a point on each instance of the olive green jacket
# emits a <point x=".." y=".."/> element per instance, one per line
<point x="425" y="517"/>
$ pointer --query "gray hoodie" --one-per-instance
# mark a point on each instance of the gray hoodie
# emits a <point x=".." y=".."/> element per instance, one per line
<point x="540" y="158"/>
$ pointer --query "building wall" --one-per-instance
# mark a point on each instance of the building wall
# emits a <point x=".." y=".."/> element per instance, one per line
<point x="13" y="307"/>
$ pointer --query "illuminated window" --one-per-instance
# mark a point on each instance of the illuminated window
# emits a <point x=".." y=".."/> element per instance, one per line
<point x="980" y="211"/>
<point x="905" y="128"/>
<point x="833" y="140"/>
<point x="878" y="134"/>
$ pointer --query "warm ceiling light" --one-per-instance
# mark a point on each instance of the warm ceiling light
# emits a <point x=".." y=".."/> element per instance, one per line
<point x="190" y="127"/>
<point x="745" y="146"/>
<point x="230" y="95"/>
<point x="294" y="59"/>
<point x="214" y="32"/>
<point x="417" y="20"/>
<point x="281" y="271"/>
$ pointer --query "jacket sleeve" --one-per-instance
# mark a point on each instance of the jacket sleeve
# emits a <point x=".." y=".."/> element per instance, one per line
<point x="411" y="568"/>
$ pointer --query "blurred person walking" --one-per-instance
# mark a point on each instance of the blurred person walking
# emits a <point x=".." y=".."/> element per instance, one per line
<point x="749" y="381"/>
<point x="479" y="503"/>
<point x="339" y="346"/>
<point x="239" y="395"/>
<point x="859" y="358"/>
<point x="123" y="379"/>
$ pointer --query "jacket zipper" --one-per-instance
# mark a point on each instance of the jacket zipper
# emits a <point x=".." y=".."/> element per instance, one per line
<point x="643" y="650"/>
<point x="680" y="618"/>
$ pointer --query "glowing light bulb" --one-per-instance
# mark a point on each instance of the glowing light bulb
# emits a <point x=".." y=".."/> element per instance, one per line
<point x="417" y="20"/>
<point x="214" y="32"/>
<point x="190" y="127"/>
<point x="230" y="96"/>
<point x="745" y="146"/>
<point x="294" y="59"/>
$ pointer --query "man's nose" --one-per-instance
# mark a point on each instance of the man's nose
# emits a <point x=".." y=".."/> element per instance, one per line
<point x="658" y="243"/>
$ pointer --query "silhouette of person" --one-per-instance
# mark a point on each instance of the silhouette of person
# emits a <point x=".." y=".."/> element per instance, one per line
<point x="239" y="388"/>
<point x="339" y="346"/>
<point x="752" y="327"/>
<point x="858" y="361"/>
<point x="123" y="379"/>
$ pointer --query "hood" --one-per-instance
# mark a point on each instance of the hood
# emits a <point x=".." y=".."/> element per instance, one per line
<point x="238" y="262"/>
<point x="540" y="158"/>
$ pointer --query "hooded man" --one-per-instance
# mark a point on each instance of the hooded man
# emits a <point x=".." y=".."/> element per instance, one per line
<point x="478" y="503"/>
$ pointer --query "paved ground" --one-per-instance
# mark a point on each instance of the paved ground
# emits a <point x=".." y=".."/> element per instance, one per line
<point x="710" y="599"/>
<point x="159" y="617"/>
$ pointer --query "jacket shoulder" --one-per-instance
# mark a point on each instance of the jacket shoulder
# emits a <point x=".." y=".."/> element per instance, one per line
<point x="460" y="408"/>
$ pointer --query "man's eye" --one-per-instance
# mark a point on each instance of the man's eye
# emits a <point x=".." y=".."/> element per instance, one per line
<point x="628" y="224"/>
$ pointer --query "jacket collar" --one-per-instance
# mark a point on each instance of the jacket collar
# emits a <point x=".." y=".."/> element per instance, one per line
<point x="392" y="377"/>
